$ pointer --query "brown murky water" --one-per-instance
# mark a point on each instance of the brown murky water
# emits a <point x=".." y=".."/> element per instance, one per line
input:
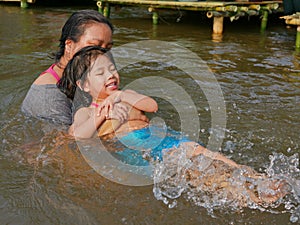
<point x="45" y="180"/>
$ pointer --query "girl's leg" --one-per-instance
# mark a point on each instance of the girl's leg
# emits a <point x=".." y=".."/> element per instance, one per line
<point x="196" y="149"/>
<point x="262" y="189"/>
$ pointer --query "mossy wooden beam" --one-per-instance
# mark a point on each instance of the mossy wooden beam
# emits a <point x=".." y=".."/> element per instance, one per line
<point x="294" y="20"/>
<point x="24" y="4"/>
<point x="100" y="7"/>
<point x="106" y="10"/>
<point x="298" y="38"/>
<point x="155" y="16"/>
<point x="264" y="21"/>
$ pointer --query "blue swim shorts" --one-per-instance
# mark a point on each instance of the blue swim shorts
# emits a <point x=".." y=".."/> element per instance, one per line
<point x="146" y="144"/>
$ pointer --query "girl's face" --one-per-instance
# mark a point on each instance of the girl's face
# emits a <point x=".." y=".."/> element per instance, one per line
<point x="103" y="79"/>
<point x="98" y="34"/>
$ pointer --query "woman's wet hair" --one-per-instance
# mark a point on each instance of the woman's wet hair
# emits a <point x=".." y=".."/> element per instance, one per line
<point x="77" y="69"/>
<point x="75" y="26"/>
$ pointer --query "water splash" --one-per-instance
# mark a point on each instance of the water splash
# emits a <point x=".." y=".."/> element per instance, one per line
<point x="169" y="177"/>
<point x="287" y="168"/>
<point x="214" y="185"/>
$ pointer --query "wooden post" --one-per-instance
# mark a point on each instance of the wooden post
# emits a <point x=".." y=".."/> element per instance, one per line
<point x="217" y="37"/>
<point x="155" y="18"/>
<point x="154" y="31"/>
<point x="298" y="38"/>
<point x="24" y="4"/>
<point x="100" y="7"/>
<point x="264" y="21"/>
<point x="218" y="24"/>
<point x="106" y="10"/>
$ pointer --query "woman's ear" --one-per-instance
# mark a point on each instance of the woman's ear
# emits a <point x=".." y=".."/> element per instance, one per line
<point x="68" y="44"/>
<point x="68" y="48"/>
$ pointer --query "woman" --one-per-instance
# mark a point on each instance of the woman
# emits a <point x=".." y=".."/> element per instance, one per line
<point x="44" y="100"/>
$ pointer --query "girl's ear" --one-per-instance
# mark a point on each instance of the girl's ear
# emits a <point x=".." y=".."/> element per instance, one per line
<point x="78" y="83"/>
<point x="84" y="87"/>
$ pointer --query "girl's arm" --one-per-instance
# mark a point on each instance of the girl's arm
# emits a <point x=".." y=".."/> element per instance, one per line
<point x="88" y="120"/>
<point x="139" y="101"/>
<point x="86" y="123"/>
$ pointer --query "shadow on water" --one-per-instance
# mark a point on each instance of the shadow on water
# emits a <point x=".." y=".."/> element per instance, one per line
<point x="46" y="180"/>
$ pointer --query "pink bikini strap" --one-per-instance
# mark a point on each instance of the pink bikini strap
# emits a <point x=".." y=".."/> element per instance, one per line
<point x="95" y="104"/>
<point x="52" y="72"/>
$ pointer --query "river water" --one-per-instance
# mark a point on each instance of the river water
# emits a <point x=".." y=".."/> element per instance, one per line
<point x="46" y="180"/>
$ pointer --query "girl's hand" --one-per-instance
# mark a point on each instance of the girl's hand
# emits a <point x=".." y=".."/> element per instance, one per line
<point x="118" y="112"/>
<point x="136" y="115"/>
<point x="108" y="104"/>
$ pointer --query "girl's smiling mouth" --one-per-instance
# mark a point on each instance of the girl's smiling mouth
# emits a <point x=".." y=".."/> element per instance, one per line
<point x="112" y="85"/>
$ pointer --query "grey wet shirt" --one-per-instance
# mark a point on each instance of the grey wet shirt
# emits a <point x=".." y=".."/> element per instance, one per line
<point x="48" y="102"/>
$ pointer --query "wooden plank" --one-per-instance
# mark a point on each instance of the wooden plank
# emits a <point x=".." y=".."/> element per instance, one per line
<point x="292" y="19"/>
<point x="201" y="4"/>
<point x="188" y="5"/>
<point x="29" y="1"/>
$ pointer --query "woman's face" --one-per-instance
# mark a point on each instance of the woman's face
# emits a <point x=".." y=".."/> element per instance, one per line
<point x="98" y="34"/>
<point x="103" y="79"/>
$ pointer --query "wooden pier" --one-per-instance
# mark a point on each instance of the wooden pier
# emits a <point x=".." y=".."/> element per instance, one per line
<point x="23" y="3"/>
<point x="214" y="9"/>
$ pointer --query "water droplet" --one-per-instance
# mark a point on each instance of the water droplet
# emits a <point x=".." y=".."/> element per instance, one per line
<point x="294" y="219"/>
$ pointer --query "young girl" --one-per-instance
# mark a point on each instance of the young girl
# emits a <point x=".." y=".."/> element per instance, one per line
<point x="92" y="82"/>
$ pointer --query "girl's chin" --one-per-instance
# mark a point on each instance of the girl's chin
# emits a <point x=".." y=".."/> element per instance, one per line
<point x="108" y="93"/>
<point x="112" y="89"/>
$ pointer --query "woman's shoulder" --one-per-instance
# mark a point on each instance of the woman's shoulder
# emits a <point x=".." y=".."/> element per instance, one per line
<point x="39" y="87"/>
<point x="45" y="78"/>
<point x="47" y="90"/>
<point x="50" y="76"/>
<point x="43" y="99"/>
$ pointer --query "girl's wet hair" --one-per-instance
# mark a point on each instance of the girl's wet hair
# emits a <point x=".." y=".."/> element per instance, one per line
<point x="77" y="69"/>
<point x="75" y="26"/>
